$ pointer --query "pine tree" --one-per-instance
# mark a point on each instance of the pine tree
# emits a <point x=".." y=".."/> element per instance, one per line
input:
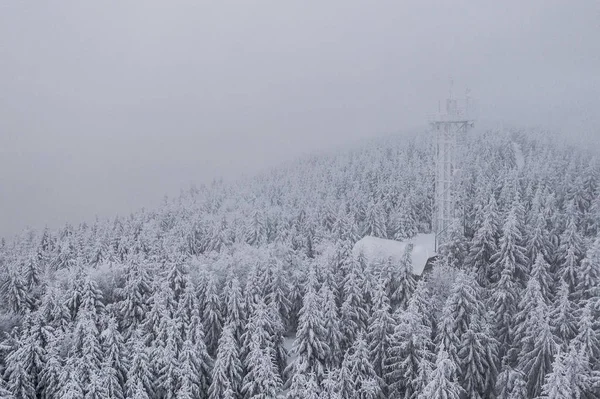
<point x="71" y="385"/>
<point x="357" y="370"/>
<point x="532" y="299"/>
<point x="139" y="391"/>
<point x="563" y="318"/>
<point x="538" y="349"/>
<point x="589" y="274"/>
<point x="310" y="346"/>
<point x="235" y="312"/>
<point x="136" y="294"/>
<point x="375" y="221"/>
<point x="213" y="320"/>
<point x="483" y="246"/>
<point x="511" y="384"/>
<point x="166" y="363"/>
<point x="262" y="379"/>
<point x="442" y="384"/>
<point x="190" y="372"/>
<point x="330" y="385"/>
<point x="406" y="280"/>
<point x="14" y="293"/>
<point x="503" y="304"/>
<point x="110" y="380"/>
<point x="409" y="354"/>
<point x="203" y="362"/>
<point x="332" y="334"/>
<point x="114" y="350"/>
<point x="353" y="312"/>
<point x="227" y="370"/>
<point x="540" y="272"/>
<point x="20" y="381"/>
<point x="49" y="383"/>
<point x="476" y="367"/>
<point x="570" y="251"/>
<point x="511" y="254"/>
<point x="87" y="346"/>
<point x="582" y="380"/>
<point x="587" y="339"/>
<point x="139" y="374"/>
<point x="95" y="389"/>
<point x="557" y="384"/>
<point x="380" y="330"/>
<point x="538" y="239"/>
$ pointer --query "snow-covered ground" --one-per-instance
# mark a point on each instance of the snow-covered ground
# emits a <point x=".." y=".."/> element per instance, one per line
<point x="380" y="249"/>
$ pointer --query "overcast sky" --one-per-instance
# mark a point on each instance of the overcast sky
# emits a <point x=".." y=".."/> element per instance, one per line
<point x="105" y="106"/>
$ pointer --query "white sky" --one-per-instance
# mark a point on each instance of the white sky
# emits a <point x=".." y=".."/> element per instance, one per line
<point x="106" y="106"/>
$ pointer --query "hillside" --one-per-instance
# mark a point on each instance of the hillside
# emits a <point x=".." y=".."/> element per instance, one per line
<point x="197" y="299"/>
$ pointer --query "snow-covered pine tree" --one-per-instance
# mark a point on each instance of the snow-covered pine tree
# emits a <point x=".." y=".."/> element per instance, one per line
<point x="483" y="245"/>
<point x="477" y="367"/>
<point x="409" y="356"/>
<point x="380" y="329"/>
<point x="589" y="273"/>
<point x="587" y="340"/>
<point x="310" y="346"/>
<point x="235" y="311"/>
<point x="503" y="303"/>
<point x="357" y="370"/>
<point x="571" y="249"/>
<point x="227" y="370"/>
<point x="511" y="254"/>
<point x="540" y="272"/>
<point x="353" y="317"/>
<point x="563" y="316"/>
<point x="537" y="350"/>
<point x="442" y="384"/>
<point x="557" y="384"/>
<point x="213" y="319"/>
<point x="114" y="351"/>
<point x="262" y="379"/>
<point x="139" y="375"/>
<point x="406" y="282"/>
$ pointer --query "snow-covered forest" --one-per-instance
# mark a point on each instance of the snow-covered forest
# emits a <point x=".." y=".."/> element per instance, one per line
<point x="249" y="289"/>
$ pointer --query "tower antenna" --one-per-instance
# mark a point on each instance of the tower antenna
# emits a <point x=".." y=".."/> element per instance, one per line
<point x="450" y="127"/>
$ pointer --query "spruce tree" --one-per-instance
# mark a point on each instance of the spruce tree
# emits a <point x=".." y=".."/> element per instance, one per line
<point x="563" y="319"/>
<point x="483" y="245"/>
<point x="310" y="346"/>
<point x="511" y="254"/>
<point x="409" y="357"/>
<point x="540" y="272"/>
<point x="380" y="330"/>
<point x="537" y="350"/>
<point x="476" y="367"/>
<point x="262" y="379"/>
<point x="571" y="249"/>
<point x="213" y="320"/>
<point x="353" y="312"/>
<point x="139" y="374"/>
<point x="442" y="384"/>
<point x="332" y="334"/>
<point x="406" y="282"/>
<point x="357" y="370"/>
<point x="589" y="274"/>
<point x="227" y="370"/>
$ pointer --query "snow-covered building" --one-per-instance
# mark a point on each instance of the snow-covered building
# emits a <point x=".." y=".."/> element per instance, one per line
<point x="380" y="250"/>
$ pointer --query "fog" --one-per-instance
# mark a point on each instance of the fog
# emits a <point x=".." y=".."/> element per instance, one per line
<point x="106" y="106"/>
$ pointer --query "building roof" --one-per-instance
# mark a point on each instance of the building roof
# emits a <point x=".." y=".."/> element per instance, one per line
<point x="380" y="250"/>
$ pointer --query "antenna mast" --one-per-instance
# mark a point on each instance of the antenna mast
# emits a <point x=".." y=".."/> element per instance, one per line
<point x="450" y="127"/>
